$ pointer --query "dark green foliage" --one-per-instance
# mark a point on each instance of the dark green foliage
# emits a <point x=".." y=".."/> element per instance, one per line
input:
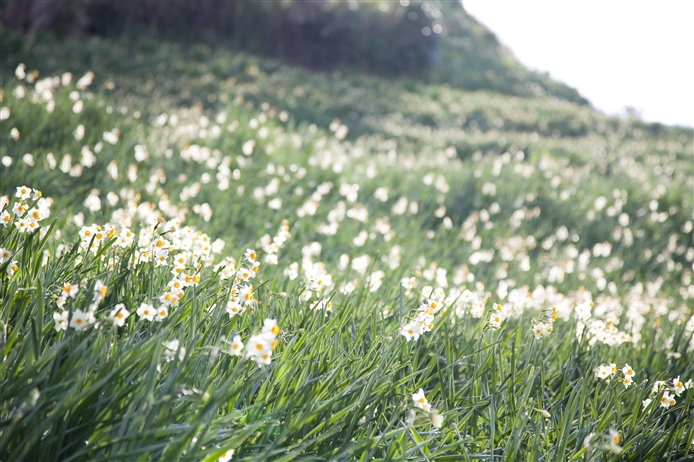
<point x="319" y="35"/>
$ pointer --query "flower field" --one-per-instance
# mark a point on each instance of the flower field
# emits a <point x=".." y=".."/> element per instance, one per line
<point x="238" y="260"/>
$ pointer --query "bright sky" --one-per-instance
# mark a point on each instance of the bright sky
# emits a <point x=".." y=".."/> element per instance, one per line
<point x="616" y="53"/>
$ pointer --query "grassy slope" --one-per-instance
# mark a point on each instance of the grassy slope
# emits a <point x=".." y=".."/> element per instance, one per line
<point x="409" y="117"/>
<point x="340" y="386"/>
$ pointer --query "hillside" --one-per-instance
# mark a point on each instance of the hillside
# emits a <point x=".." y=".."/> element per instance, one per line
<point x="429" y="269"/>
<point x="435" y="41"/>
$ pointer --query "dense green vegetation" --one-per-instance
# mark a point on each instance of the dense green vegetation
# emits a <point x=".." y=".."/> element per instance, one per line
<point x="434" y="42"/>
<point x="470" y="218"/>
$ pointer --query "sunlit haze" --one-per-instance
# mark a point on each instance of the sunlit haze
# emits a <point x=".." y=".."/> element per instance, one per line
<point x="616" y="53"/>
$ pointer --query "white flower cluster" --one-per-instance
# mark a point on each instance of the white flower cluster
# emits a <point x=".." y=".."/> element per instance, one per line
<point x="170" y="349"/>
<point x="259" y="347"/>
<point x="597" y="330"/>
<point x="272" y="246"/>
<point x="421" y="402"/>
<point x="602" y="441"/>
<point x="183" y="250"/>
<point x="83" y="319"/>
<point x="317" y="280"/>
<point x="465" y="300"/>
<point x="671" y="389"/>
<point x="497" y="317"/>
<point x="543" y="329"/>
<point x="241" y="295"/>
<point x="28" y="210"/>
<point x="608" y="371"/>
<point x="432" y="302"/>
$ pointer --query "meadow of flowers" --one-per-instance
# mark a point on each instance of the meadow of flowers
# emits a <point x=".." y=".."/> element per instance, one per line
<point x="245" y="279"/>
